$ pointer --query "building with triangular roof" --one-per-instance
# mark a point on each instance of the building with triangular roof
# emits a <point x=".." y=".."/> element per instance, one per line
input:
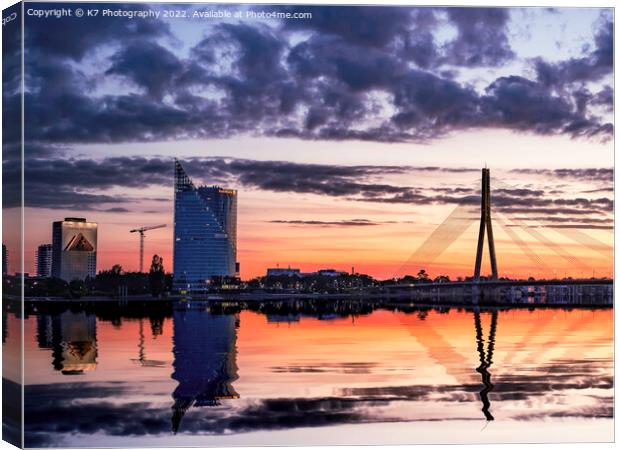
<point x="74" y="249"/>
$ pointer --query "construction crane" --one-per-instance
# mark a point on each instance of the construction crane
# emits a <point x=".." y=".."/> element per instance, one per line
<point x="142" y="230"/>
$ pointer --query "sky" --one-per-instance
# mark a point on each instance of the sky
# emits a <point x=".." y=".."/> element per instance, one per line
<point x="350" y="135"/>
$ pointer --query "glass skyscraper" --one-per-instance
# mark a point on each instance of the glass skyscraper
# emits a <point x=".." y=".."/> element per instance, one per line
<point x="205" y="233"/>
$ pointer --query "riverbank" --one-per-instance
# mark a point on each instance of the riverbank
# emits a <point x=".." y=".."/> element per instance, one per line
<point x="403" y="303"/>
<point x="595" y="292"/>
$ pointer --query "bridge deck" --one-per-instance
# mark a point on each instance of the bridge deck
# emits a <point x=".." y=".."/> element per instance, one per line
<point x="506" y="283"/>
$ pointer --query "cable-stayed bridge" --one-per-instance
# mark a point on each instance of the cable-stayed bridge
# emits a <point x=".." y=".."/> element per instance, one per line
<point x="514" y="227"/>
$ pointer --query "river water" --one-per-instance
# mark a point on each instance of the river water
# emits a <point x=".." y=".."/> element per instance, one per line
<point x="159" y="375"/>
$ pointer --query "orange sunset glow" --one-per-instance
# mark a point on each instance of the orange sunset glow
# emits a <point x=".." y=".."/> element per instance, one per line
<point x="348" y="148"/>
<point x="381" y="249"/>
<point x="434" y="351"/>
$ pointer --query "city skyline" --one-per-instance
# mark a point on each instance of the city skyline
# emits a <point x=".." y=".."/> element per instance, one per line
<point x="340" y="164"/>
<point x="407" y="268"/>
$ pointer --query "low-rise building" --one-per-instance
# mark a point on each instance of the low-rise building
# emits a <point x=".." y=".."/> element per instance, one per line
<point x="278" y="272"/>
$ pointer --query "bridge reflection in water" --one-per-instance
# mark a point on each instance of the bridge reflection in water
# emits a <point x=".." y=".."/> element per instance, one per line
<point x="230" y="369"/>
<point x="486" y="359"/>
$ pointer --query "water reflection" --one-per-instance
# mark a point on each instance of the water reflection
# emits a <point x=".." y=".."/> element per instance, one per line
<point x="486" y="359"/>
<point x="288" y="368"/>
<point x="142" y="359"/>
<point x="5" y="323"/>
<point x="205" y="360"/>
<point x="72" y="337"/>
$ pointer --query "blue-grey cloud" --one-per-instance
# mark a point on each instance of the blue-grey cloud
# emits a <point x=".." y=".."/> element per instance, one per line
<point x="604" y="175"/>
<point x="319" y="87"/>
<point x="364" y="25"/>
<point x="50" y="411"/>
<point x="85" y="184"/>
<point x="592" y="66"/>
<point x="482" y="36"/>
<point x="148" y="65"/>
<point x="333" y="223"/>
<point x="74" y="37"/>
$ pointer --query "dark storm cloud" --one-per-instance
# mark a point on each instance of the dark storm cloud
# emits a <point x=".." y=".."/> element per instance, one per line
<point x="482" y="36"/>
<point x="551" y="211"/>
<point x="77" y="176"/>
<point x="58" y="96"/>
<point x="75" y="37"/>
<point x="257" y="89"/>
<point x="333" y="223"/>
<point x="281" y="176"/>
<point x="520" y="104"/>
<point x="77" y="184"/>
<point x="581" y="226"/>
<point x="570" y="222"/>
<point x="363" y="25"/>
<point x="148" y="65"/>
<point x="359" y="68"/>
<point x="11" y="53"/>
<point x="116" y="209"/>
<point x="519" y="192"/>
<point x="596" y="174"/>
<point x="11" y="107"/>
<point x="481" y="41"/>
<point x="599" y="190"/>
<point x="259" y="50"/>
<point x="63" y="198"/>
<point x="429" y="104"/>
<point x="87" y="173"/>
<point x="508" y="201"/>
<point x="421" y="49"/>
<point x="84" y="183"/>
<point x="605" y="98"/>
<point x="110" y="119"/>
<point x="69" y="183"/>
<point x="251" y="78"/>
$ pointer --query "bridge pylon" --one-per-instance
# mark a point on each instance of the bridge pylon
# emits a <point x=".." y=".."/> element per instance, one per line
<point x="485" y="222"/>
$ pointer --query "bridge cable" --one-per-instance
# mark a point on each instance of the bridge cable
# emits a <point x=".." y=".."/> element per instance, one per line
<point x="586" y="240"/>
<point x="537" y="260"/>
<point x="558" y="250"/>
<point x="543" y="239"/>
<point x="442" y="237"/>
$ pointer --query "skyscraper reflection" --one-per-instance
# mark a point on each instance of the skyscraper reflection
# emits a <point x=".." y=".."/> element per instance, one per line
<point x="72" y="337"/>
<point x="205" y="360"/>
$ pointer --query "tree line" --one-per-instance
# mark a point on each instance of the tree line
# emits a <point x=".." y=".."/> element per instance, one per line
<point x="114" y="282"/>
